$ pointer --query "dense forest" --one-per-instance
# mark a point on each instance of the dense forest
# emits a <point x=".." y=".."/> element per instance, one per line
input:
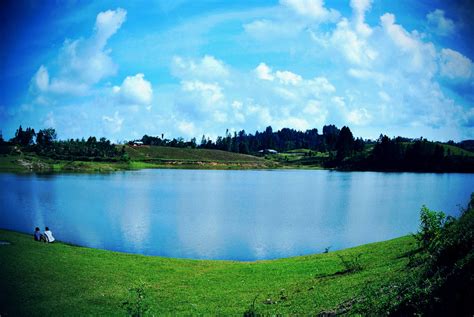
<point x="340" y="148"/>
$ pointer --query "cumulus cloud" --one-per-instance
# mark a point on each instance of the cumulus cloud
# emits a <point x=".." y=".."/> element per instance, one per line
<point x="454" y="65"/>
<point x="313" y="9"/>
<point x="210" y="93"/>
<point x="206" y="68"/>
<point x="288" y="78"/>
<point x="360" y="7"/>
<point x="135" y="90"/>
<point x="421" y="54"/>
<point x="354" y="48"/>
<point x="439" y="24"/>
<point x="264" y="72"/>
<point x="107" y="23"/>
<point x="83" y="62"/>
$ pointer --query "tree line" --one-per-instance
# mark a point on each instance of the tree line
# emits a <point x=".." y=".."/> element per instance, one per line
<point x="402" y="154"/>
<point x="45" y="143"/>
<point x="343" y="150"/>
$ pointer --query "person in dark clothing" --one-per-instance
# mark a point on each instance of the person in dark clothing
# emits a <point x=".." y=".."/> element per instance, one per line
<point x="37" y="235"/>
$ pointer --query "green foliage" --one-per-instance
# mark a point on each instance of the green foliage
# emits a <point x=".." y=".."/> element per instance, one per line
<point x="345" y="143"/>
<point x="45" y="137"/>
<point x="351" y="263"/>
<point x="441" y="279"/>
<point x="138" y="302"/>
<point x="24" y="137"/>
<point x="431" y="226"/>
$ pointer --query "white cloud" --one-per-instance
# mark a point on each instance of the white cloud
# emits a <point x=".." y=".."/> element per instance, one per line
<point x="313" y="9"/>
<point x="320" y="85"/>
<point x="359" y="116"/>
<point x="211" y="93"/>
<point x="107" y="23"/>
<point x="207" y="68"/>
<point x="288" y="78"/>
<point x="356" y="50"/>
<point x="421" y="55"/>
<point x="135" y="90"/>
<point x="83" y="62"/>
<point x="439" y="23"/>
<point x="187" y="128"/>
<point x="113" y="123"/>
<point x="360" y="7"/>
<point x="59" y="86"/>
<point x="454" y="65"/>
<point x="264" y="72"/>
<point x="364" y="74"/>
<point x="292" y="122"/>
<point x="41" y="79"/>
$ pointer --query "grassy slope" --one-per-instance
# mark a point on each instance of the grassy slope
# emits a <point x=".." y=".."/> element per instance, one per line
<point x="141" y="157"/>
<point x="455" y="150"/>
<point x="143" y="153"/>
<point x="59" y="279"/>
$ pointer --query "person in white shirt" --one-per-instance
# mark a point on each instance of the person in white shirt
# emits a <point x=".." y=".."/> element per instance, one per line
<point x="49" y="235"/>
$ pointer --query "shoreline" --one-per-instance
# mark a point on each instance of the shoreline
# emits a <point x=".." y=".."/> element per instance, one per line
<point x="4" y="230"/>
<point x="31" y="163"/>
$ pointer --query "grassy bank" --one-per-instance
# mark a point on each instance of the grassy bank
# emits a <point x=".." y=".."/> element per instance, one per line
<point x="59" y="279"/>
<point x="140" y="157"/>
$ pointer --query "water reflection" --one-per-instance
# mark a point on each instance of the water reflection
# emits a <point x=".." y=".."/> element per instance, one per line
<point x="242" y="215"/>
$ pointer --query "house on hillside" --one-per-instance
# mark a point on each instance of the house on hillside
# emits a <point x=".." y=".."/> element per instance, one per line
<point x="136" y="143"/>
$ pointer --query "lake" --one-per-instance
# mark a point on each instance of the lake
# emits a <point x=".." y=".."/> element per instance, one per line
<point x="238" y="215"/>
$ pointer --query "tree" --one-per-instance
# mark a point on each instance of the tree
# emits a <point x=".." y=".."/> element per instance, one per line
<point x="46" y="137"/>
<point x="345" y="143"/>
<point x="24" y="137"/>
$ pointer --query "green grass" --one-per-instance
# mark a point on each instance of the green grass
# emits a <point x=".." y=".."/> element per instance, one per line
<point x="140" y="157"/>
<point x="454" y="150"/>
<point x="59" y="279"/>
<point x="144" y="153"/>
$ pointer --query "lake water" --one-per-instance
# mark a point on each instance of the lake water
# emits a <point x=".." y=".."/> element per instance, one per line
<point x="239" y="215"/>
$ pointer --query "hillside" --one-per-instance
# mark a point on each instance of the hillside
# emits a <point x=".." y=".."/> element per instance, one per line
<point x="17" y="160"/>
<point x="60" y="279"/>
<point x="166" y="153"/>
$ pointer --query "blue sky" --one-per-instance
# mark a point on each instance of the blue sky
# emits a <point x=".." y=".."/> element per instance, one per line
<point x="122" y="69"/>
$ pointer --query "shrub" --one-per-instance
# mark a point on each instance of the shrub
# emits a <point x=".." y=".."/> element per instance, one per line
<point x="432" y="223"/>
<point x="351" y="263"/>
<point x="138" y="302"/>
<point x="441" y="282"/>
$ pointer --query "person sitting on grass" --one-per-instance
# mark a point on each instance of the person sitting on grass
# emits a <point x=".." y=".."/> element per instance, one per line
<point x="37" y="235"/>
<point x="49" y="235"/>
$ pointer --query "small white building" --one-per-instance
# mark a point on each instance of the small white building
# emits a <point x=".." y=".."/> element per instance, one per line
<point x="268" y="151"/>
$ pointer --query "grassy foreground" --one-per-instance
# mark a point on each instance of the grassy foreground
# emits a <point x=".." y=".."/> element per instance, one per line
<point x="59" y="279"/>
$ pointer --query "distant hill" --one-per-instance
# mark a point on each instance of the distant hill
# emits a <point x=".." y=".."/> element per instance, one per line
<point x="164" y="153"/>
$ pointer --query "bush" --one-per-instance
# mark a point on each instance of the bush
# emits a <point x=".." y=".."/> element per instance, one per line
<point x="441" y="283"/>
<point x="432" y="223"/>
<point x="138" y="302"/>
<point x="351" y="263"/>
